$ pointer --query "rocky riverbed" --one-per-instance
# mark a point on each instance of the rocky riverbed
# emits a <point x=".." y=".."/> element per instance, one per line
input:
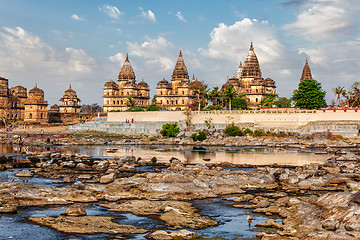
<point x="313" y="201"/>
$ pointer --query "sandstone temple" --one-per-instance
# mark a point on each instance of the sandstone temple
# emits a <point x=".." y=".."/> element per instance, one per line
<point x="179" y="93"/>
<point x="248" y="80"/>
<point x="118" y="97"/>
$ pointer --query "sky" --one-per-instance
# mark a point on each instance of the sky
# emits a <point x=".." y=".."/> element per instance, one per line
<point x="53" y="44"/>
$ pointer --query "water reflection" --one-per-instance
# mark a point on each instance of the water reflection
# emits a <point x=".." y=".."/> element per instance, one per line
<point x="187" y="154"/>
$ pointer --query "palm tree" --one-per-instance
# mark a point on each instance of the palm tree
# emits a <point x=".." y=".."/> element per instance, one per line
<point x="215" y="95"/>
<point x="229" y="94"/>
<point x="130" y="102"/>
<point x="338" y="92"/>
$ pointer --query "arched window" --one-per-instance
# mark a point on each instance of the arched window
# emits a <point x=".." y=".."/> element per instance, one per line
<point x="122" y="102"/>
<point x="160" y="101"/>
<point x="256" y="91"/>
<point x="161" y="93"/>
<point x="118" y="102"/>
<point x="41" y="115"/>
<point x="183" y="101"/>
<point x="30" y="115"/>
<point x="256" y="99"/>
<point x="183" y="92"/>
<point x="167" y="101"/>
<point x="176" y="101"/>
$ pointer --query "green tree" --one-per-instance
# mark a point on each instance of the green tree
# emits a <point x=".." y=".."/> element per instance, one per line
<point x="269" y="101"/>
<point x="228" y="94"/>
<point x="339" y="91"/>
<point x="130" y="102"/>
<point x="215" y="96"/>
<point x="92" y="108"/>
<point x="239" y="102"/>
<point x="170" y="129"/>
<point x="309" y="95"/>
<point x="201" y="91"/>
<point x="283" y="102"/>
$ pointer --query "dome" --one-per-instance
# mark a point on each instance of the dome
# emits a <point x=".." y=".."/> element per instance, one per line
<point x="70" y="93"/>
<point x="110" y="84"/>
<point x="126" y="72"/>
<point x="19" y="91"/>
<point x="36" y="94"/>
<point x="54" y="108"/>
<point x="163" y="84"/>
<point x="143" y="84"/>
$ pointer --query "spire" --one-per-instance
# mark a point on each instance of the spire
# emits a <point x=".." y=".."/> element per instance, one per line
<point x="306" y="74"/>
<point x="180" y="72"/>
<point x="251" y="66"/>
<point x="193" y="79"/>
<point x="70" y="86"/>
<point x="239" y="71"/>
<point x="127" y="72"/>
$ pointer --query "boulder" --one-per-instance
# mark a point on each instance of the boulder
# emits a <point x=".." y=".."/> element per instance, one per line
<point x="159" y="235"/>
<point x="24" y="173"/>
<point x="184" y="234"/>
<point x="75" y="210"/>
<point x="128" y="159"/>
<point x="82" y="166"/>
<point x="108" y="178"/>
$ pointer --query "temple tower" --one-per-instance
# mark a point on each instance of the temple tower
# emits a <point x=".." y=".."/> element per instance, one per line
<point x="36" y="106"/>
<point x="70" y="103"/>
<point x="306" y="74"/>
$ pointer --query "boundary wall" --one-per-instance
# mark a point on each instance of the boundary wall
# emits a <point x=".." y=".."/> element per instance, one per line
<point x="344" y="122"/>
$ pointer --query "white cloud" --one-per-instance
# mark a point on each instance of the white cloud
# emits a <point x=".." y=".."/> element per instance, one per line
<point x="325" y="19"/>
<point x="26" y="59"/>
<point x="156" y="51"/>
<point x="149" y="15"/>
<point x="77" y="18"/>
<point x="111" y="11"/>
<point x="232" y="42"/>
<point x="117" y="58"/>
<point x="180" y="17"/>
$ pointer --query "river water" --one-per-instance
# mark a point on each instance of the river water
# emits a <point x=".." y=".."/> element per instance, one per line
<point x="232" y="221"/>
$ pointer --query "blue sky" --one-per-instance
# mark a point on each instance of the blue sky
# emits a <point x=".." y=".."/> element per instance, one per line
<point x="84" y="42"/>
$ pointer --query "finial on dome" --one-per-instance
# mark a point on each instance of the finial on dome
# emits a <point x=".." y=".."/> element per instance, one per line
<point x="180" y="53"/>
<point x="127" y="58"/>
<point x="193" y="77"/>
<point x="70" y="86"/>
<point x="251" y="46"/>
<point x="35" y="85"/>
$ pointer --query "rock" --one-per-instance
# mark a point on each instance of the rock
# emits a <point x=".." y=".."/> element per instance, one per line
<point x="353" y="186"/>
<point x="159" y="235"/>
<point x="44" y="155"/>
<point x="271" y="223"/>
<point x="102" y="165"/>
<point x="8" y="209"/>
<point x="243" y="198"/>
<point x="128" y="159"/>
<point x="86" y="225"/>
<point x="24" y="173"/>
<point x="184" y="234"/>
<point x="82" y="166"/>
<point x="330" y="224"/>
<point x="55" y="155"/>
<point x="75" y="210"/>
<point x="108" y="178"/>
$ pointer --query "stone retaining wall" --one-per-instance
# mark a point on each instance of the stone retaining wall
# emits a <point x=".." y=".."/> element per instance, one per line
<point x="344" y="122"/>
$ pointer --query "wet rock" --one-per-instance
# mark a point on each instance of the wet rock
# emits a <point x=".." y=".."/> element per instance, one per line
<point x="8" y="209"/>
<point x="101" y="165"/>
<point x="159" y="235"/>
<point x="86" y="225"/>
<point x="44" y="155"/>
<point x="24" y="173"/>
<point x="108" y="178"/>
<point x="175" y="214"/>
<point x="271" y="224"/>
<point x="184" y="234"/>
<point x="82" y="166"/>
<point x="75" y="210"/>
<point x="353" y="186"/>
<point x="55" y="155"/>
<point x="127" y="159"/>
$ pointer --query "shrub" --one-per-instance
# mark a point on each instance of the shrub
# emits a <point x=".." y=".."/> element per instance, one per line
<point x="233" y="130"/>
<point x="170" y="129"/>
<point x="248" y="131"/>
<point x="199" y="137"/>
<point x="153" y="160"/>
<point x="136" y="109"/>
<point x="336" y="137"/>
<point x="259" y="132"/>
<point x="153" y="139"/>
<point x="152" y="107"/>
